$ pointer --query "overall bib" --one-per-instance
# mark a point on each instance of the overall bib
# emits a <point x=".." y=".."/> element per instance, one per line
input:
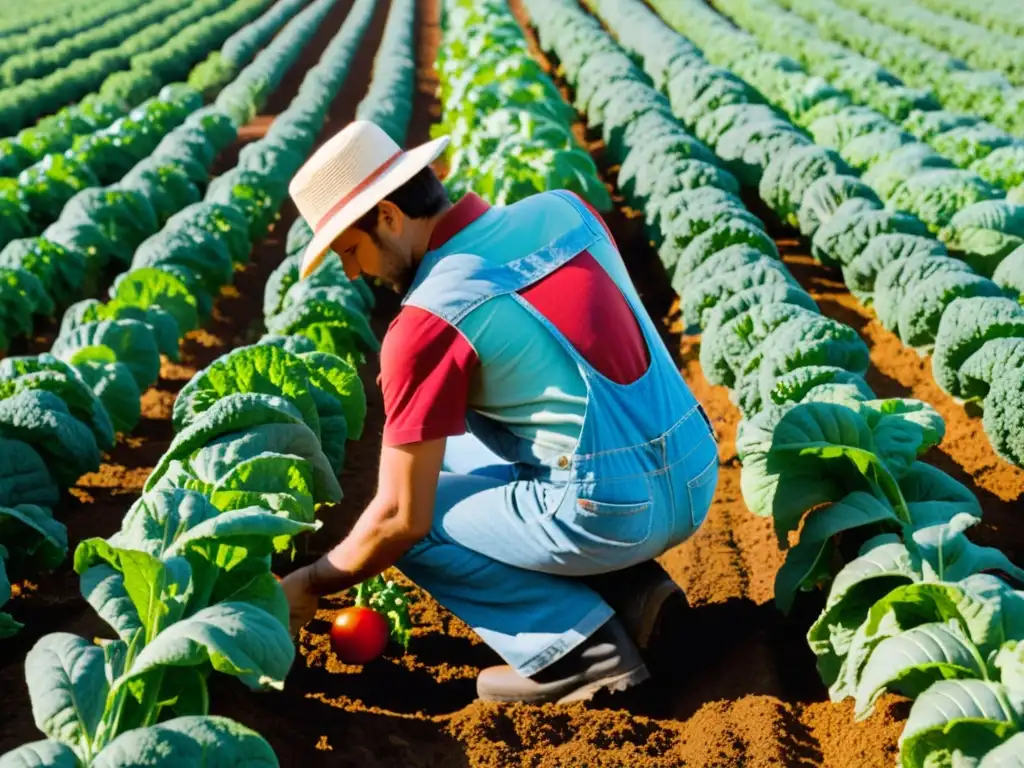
<point x="511" y="531"/>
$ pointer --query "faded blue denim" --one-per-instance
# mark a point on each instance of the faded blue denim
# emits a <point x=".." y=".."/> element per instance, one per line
<point x="510" y="533"/>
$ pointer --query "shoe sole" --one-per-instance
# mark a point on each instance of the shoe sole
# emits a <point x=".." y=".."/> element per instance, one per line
<point x="614" y="684"/>
<point x="653" y="611"/>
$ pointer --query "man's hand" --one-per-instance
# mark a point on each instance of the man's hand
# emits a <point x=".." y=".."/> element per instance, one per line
<point x="400" y="515"/>
<point x="302" y="602"/>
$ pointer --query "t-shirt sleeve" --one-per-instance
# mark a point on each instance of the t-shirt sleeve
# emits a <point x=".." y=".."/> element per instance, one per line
<point x="425" y="366"/>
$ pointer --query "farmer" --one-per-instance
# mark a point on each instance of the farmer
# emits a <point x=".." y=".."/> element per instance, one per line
<point x="537" y="432"/>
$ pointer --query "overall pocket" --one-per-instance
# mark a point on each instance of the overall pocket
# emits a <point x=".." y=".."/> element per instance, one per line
<point x="701" y="490"/>
<point x="596" y="525"/>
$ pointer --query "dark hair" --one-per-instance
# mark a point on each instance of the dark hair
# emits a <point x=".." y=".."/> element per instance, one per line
<point x="420" y="197"/>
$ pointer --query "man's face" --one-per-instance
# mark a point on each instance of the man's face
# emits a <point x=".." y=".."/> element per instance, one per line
<point x="384" y="253"/>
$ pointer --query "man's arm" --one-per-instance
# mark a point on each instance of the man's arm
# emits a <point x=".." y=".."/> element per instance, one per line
<point x="425" y="368"/>
<point x="400" y="515"/>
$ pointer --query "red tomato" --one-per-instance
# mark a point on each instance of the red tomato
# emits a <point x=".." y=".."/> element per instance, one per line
<point x="359" y="635"/>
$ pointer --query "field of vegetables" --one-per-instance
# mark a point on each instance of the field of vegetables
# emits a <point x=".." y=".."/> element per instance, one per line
<point x="822" y="203"/>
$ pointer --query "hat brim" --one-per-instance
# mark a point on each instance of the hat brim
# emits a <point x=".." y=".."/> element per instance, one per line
<point x="409" y="164"/>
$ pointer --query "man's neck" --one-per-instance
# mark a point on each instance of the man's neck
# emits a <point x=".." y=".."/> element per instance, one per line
<point x="426" y="232"/>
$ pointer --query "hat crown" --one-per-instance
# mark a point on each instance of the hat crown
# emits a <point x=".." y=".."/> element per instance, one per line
<point x="347" y="160"/>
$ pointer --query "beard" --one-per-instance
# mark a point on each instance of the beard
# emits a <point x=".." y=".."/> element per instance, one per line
<point x="395" y="264"/>
<point x="398" y="276"/>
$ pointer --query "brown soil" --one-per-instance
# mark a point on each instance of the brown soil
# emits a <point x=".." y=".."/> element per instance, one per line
<point x="734" y="685"/>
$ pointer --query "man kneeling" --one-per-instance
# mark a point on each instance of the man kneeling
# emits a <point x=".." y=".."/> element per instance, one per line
<point x="537" y="431"/>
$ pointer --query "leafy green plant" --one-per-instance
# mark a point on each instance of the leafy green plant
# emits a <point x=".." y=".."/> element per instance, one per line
<point x="508" y="124"/>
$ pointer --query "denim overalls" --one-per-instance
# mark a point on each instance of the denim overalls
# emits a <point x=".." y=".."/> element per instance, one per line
<point x="511" y="532"/>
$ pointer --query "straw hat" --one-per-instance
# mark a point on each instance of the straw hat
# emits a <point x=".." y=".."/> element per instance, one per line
<point x="347" y="177"/>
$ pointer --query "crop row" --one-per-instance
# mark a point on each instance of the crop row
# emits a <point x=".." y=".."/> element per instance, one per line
<point x="122" y="90"/>
<point x="73" y="124"/>
<point x="1003" y="18"/>
<point x="186" y="584"/>
<point x="969" y="142"/>
<point x="165" y="50"/>
<point x="981" y="48"/>
<point x="987" y="94"/>
<point x="936" y="302"/>
<point x="222" y="66"/>
<point x="509" y="126"/>
<point x="180" y="248"/>
<point x="388" y="102"/>
<point x="155" y="166"/>
<point x="19" y="17"/>
<point x="29" y="63"/>
<point x="75" y="21"/>
<point x="819" y="453"/>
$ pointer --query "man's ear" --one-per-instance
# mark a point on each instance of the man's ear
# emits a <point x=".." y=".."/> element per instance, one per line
<point x="391" y="217"/>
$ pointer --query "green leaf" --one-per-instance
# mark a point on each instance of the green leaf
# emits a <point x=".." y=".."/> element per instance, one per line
<point x="158" y="518"/>
<point x="972" y="716"/>
<point x="47" y="372"/>
<point x="103" y="587"/>
<point x="42" y="420"/>
<point x="805" y="560"/>
<point x="326" y="285"/>
<point x="934" y="497"/>
<point x="911" y="661"/>
<point x="974" y="605"/>
<point x="333" y="427"/>
<point x="41" y="754"/>
<point x="253" y="583"/>
<point x="62" y="271"/>
<point x="202" y="742"/>
<point x="8" y="626"/>
<point x="883" y="564"/>
<point x="159" y="589"/>
<point x="198" y="252"/>
<point x="68" y="687"/>
<point x="263" y="368"/>
<point x="281" y="431"/>
<point x="114" y="384"/>
<point x="239" y="534"/>
<point x="903" y="430"/>
<point x="22" y="296"/>
<point x="280" y="483"/>
<point x="798" y="457"/>
<point x="1009" y="660"/>
<point x="232" y="638"/>
<point x="801" y="384"/>
<point x="225" y="222"/>
<point x="148" y="287"/>
<point x="944" y="550"/>
<point x="1009" y="754"/>
<point x="299" y="317"/>
<point x="131" y="342"/>
<point x="232" y="413"/>
<point x="24" y="478"/>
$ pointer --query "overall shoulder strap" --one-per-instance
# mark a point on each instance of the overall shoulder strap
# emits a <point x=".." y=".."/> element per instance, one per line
<point x="452" y="285"/>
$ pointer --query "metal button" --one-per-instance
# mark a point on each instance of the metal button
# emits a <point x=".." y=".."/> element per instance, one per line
<point x="563" y="462"/>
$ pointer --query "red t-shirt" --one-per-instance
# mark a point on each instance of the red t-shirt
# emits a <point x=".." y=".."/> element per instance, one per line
<point x="426" y="364"/>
